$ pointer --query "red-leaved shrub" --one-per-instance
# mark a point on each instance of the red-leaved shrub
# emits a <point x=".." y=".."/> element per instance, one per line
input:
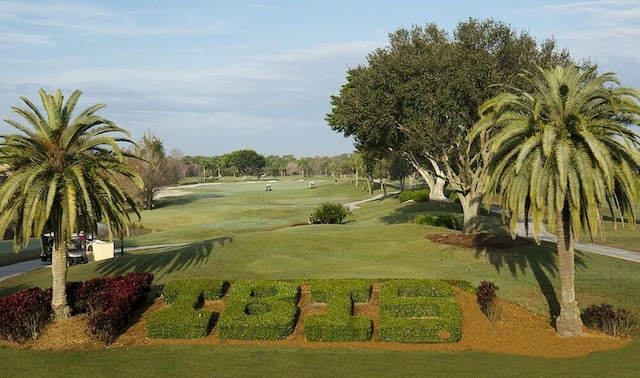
<point x="24" y="314"/>
<point x="486" y="295"/>
<point x="616" y="322"/>
<point x="113" y="302"/>
<point x="110" y="303"/>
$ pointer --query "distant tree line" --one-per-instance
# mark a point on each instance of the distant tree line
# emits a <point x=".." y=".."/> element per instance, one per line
<point x="250" y="163"/>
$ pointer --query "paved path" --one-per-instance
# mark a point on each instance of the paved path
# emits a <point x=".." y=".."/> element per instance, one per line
<point x="27" y="266"/>
<point x="354" y="205"/>
<point x="582" y="246"/>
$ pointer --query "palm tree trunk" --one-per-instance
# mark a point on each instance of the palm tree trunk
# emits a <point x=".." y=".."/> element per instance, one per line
<point x="569" y="322"/>
<point x="61" y="310"/>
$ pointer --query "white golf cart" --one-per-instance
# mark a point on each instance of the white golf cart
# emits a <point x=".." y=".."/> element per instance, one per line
<point x="76" y="250"/>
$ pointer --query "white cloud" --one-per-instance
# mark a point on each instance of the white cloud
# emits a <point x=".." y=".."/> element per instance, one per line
<point x="13" y="39"/>
<point x="325" y="51"/>
<point x="98" y="20"/>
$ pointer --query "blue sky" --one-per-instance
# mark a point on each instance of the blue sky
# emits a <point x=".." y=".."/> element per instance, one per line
<point x="211" y="77"/>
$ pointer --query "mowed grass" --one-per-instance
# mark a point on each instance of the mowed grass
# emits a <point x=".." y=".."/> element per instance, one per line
<point x="9" y="256"/>
<point x="240" y="231"/>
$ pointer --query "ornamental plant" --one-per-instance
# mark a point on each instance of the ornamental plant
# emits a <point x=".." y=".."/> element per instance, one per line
<point x="616" y="322"/>
<point x="486" y="295"/>
<point x="24" y="314"/>
<point x="330" y="213"/>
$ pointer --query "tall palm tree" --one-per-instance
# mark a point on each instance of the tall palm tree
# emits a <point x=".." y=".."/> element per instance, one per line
<point x="562" y="150"/>
<point x="63" y="179"/>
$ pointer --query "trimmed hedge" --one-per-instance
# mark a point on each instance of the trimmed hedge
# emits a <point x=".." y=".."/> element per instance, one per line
<point x="462" y="284"/>
<point x="184" y="319"/>
<point x="449" y="221"/>
<point x="260" y="310"/>
<point x="411" y="310"/>
<point x="418" y="195"/>
<point x="419" y="311"/>
<point x="339" y="324"/>
<point x="209" y="289"/>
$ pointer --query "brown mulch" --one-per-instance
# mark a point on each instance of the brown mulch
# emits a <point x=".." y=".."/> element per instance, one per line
<point x="479" y="240"/>
<point x="518" y="331"/>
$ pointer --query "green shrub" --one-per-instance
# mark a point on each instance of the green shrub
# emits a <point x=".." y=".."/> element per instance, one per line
<point x="184" y="319"/>
<point x="417" y="288"/>
<point x="330" y="213"/>
<point x="359" y="290"/>
<point x="339" y="324"/>
<point x="418" y="195"/>
<point x="439" y="220"/>
<point x="260" y="310"/>
<point x="180" y="322"/>
<point x="338" y="327"/>
<point x="419" y="311"/>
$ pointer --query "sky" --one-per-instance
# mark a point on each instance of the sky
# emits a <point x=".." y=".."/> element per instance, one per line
<point x="211" y="77"/>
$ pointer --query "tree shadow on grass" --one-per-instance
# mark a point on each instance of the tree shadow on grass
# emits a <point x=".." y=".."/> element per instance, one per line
<point x="171" y="260"/>
<point x="541" y="260"/>
<point x="183" y="199"/>
<point x="620" y="222"/>
<point x="406" y="213"/>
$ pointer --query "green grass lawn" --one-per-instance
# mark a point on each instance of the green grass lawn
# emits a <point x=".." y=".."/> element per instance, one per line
<point x="238" y="230"/>
<point x="8" y="256"/>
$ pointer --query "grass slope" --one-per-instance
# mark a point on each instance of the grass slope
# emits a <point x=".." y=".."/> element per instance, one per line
<point x="240" y="231"/>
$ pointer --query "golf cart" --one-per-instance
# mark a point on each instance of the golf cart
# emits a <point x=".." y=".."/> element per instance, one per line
<point x="76" y="252"/>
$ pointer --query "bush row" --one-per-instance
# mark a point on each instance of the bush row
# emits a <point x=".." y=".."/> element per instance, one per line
<point x="185" y="319"/>
<point x="339" y="324"/>
<point x="260" y="310"/>
<point x="419" y="311"/>
<point x="24" y="314"/>
<point x="418" y="195"/>
<point x="110" y="303"/>
<point x="616" y="322"/>
<point x="439" y="220"/>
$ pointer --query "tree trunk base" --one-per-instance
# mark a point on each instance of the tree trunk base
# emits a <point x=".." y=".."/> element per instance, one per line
<point x="569" y="323"/>
<point x="62" y="312"/>
<point x="439" y="198"/>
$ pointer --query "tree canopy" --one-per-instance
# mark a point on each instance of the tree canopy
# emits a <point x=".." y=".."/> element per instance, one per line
<point x="247" y="162"/>
<point x="419" y="96"/>
<point x="155" y="168"/>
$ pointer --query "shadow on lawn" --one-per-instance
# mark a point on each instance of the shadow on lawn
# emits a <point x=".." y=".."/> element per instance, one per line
<point x="406" y="212"/>
<point x="183" y="199"/>
<point x="543" y="262"/>
<point x="174" y="260"/>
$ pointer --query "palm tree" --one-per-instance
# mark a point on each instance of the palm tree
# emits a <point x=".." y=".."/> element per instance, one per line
<point x="562" y="150"/>
<point x="62" y="179"/>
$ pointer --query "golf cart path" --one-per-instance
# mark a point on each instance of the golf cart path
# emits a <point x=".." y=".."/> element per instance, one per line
<point x="582" y="246"/>
<point x="354" y="205"/>
<point x="12" y="270"/>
